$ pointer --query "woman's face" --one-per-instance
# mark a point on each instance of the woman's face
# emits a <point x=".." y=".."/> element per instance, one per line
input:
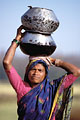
<point x="37" y="74"/>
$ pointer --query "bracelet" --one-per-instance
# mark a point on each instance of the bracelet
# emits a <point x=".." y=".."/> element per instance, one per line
<point x="16" y="41"/>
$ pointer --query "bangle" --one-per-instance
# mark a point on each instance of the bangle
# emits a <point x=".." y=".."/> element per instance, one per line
<point x="16" y="41"/>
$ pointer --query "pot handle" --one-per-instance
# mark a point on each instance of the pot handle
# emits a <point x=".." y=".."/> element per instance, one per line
<point x="30" y="7"/>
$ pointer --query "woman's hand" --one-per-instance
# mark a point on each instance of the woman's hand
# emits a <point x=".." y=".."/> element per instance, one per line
<point x="7" y="61"/>
<point x="52" y="60"/>
<point x="56" y="62"/>
<point x="19" y="34"/>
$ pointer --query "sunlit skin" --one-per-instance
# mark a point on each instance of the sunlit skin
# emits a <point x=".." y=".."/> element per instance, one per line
<point x="37" y="74"/>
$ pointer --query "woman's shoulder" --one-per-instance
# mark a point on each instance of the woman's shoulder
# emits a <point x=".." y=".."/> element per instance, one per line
<point x="57" y="80"/>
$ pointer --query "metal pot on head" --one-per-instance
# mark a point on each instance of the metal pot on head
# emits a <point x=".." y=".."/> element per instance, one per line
<point x="40" y="20"/>
<point x="39" y="24"/>
<point x="36" y="44"/>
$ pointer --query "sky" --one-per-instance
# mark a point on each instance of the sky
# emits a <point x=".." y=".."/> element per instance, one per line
<point x="66" y="37"/>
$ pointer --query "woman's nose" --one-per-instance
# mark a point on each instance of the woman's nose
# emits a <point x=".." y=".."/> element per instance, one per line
<point x="36" y="72"/>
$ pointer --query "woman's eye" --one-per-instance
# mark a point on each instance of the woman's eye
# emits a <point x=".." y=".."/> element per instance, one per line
<point x="33" y="69"/>
<point x="40" y="70"/>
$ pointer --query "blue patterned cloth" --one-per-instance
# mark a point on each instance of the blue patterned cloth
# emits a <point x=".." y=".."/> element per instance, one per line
<point x="37" y="103"/>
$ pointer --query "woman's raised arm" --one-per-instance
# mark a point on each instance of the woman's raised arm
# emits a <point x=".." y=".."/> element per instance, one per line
<point x="7" y="61"/>
<point x="70" y="68"/>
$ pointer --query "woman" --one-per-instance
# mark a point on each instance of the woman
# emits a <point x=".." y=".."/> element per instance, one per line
<point x="37" y="97"/>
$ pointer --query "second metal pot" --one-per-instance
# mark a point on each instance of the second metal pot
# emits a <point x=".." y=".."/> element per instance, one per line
<point x="35" y="44"/>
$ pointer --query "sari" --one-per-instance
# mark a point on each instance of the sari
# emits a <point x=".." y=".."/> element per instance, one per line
<point x="44" y="102"/>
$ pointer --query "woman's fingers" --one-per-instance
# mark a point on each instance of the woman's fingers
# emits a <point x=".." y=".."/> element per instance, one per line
<point x="58" y="62"/>
<point x="52" y="60"/>
<point x="20" y="34"/>
<point x="20" y="29"/>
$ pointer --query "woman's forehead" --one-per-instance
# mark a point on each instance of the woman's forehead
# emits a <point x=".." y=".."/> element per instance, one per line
<point x="39" y="65"/>
<point x="34" y="63"/>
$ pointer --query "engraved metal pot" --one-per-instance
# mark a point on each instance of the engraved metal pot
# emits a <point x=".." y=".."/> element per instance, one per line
<point x="40" y="20"/>
<point x="36" y="44"/>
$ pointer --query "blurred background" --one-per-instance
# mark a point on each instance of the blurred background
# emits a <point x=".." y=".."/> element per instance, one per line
<point x="66" y="38"/>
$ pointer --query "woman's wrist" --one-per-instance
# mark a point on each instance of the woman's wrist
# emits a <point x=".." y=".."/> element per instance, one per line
<point x="16" y="41"/>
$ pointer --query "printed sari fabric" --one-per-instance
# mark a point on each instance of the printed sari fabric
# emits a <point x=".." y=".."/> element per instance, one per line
<point x="64" y="104"/>
<point x="41" y="103"/>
